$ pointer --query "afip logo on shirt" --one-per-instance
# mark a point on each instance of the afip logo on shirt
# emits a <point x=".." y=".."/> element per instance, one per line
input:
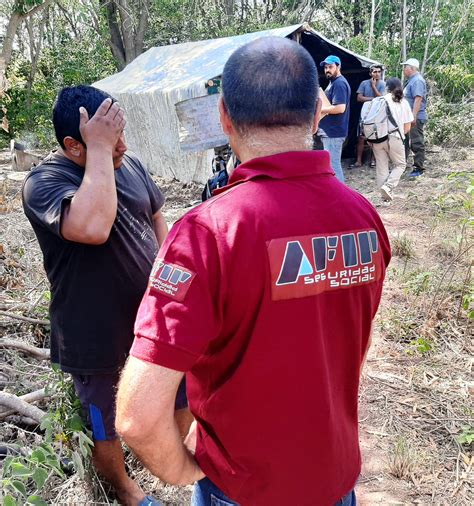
<point x="309" y="265"/>
<point x="170" y="279"/>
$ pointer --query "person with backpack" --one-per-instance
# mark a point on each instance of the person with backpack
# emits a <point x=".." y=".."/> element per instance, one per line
<point x="366" y="92"/>
<point x="385" y="125"/>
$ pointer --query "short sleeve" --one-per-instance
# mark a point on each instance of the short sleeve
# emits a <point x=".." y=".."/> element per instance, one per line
<point x="180" y="314"/>
<point x="340" y="95"/>
<point x="418" y="89"/>
<point x="361" y="88"/>
<point x="45" y="196"/>
<point x="157" y="199"/>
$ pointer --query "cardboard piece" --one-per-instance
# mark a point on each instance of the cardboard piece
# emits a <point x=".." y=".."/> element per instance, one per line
<point x="324" y="100"/>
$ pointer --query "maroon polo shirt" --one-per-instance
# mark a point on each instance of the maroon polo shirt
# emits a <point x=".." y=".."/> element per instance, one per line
<point x="265" y="295"/>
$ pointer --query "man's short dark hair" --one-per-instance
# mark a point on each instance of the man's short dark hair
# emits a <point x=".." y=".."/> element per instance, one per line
<point x="66" y="110"/>
<point x="376" y="66"/>
<point x="270" y="82"/>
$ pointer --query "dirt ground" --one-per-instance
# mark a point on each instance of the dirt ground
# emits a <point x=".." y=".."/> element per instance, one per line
<point x="417" y="390"/>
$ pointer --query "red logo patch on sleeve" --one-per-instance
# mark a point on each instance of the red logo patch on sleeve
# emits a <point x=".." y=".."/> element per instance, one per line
<point x="170" y="279"/>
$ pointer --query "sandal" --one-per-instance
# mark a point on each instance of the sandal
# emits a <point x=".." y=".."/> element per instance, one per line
<point x="149" y="501"/>
<point x="355" y="165"/>
<point x="372" y="164"/>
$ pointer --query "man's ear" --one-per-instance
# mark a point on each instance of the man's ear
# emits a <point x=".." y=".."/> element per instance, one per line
<point x="317" y="115"/>
<point x="73" y="147"/>
<point x="226" y="122"/>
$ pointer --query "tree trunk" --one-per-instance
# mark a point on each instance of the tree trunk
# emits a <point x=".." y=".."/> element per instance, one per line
<point x="127" y="28"/>
<point x="428" y="37"/>
<point x="12" y="27"/>
<point x="357" y="20"/>
<point x="115" y="42"/>
<point x="13" y="24"/>
<point x="371" y="33"/>
<point x="404" y="32"/>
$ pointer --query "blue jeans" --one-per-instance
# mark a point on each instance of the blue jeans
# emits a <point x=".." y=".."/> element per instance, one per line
<point x="334" y="146"/>
<point x="207" y="494"/>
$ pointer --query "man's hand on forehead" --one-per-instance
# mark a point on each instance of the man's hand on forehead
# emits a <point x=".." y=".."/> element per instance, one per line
<point x="105" y="127"/>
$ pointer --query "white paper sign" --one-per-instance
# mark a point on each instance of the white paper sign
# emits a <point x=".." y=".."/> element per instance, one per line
<point x="200" y="128"/>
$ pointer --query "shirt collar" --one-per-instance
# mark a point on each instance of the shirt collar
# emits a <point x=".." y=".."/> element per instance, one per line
<point x="286" y="165"/>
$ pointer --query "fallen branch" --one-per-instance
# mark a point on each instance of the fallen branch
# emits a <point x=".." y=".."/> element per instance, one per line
<point x="19" y="420"/>
<point x="20" y="406"/>
<point x="29" y="398"/>
<point x="26" y="319"/>
<point x="40" y="353"/>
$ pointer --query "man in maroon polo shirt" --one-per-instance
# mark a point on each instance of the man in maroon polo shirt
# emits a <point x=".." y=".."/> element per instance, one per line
<point x="264" y="296"/>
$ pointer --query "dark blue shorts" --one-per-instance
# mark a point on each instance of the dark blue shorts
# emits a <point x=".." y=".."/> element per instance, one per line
<point x="97" y="395"/>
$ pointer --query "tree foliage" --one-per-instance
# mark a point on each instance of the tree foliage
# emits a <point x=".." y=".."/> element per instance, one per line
<point x="62" y="42"/>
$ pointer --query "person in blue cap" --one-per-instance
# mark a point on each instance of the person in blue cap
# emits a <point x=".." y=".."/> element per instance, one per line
<point x="334" y="126"/>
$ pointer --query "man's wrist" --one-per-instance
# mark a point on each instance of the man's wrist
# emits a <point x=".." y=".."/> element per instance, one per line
<point x="99" y="146"/>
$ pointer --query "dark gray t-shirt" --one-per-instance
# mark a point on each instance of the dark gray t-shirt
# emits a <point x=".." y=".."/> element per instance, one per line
<point x="95" y="290"/>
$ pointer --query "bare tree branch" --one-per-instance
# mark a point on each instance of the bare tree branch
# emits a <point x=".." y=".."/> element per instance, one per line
<point x="20" y="406"/>
<point x="40" y="353"/>
<point x="36" y="396"/>
<point x="22" y="318"/>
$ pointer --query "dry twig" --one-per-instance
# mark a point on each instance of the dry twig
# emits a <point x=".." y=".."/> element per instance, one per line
<point x="39" y="353"/>
<point x="26" y="319"/>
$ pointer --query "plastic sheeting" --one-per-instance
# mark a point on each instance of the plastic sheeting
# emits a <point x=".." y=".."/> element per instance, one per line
<point x="150" y="86"/>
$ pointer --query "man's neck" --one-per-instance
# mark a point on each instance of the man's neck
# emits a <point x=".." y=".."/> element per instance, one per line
<point x="71" y="158"/>
<point x="268" y="142"/>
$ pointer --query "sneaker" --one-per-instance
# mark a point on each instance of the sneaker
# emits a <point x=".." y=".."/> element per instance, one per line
<point x="415" y="173"/>
<point x="386" y="193"/>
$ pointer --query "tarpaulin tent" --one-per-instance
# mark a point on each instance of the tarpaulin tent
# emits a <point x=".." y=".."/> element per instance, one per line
<point x="150" y="87"/>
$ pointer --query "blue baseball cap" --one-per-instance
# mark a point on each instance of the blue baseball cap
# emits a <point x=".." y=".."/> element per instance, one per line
<point x="330" y="59"/>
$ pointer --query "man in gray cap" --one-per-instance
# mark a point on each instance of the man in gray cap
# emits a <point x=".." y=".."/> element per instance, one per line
<point x="415" y="92"/>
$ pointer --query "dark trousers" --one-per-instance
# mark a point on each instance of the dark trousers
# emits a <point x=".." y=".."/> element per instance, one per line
<point x="416" y="141"/>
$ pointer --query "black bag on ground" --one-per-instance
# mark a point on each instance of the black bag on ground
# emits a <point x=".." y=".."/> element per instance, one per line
<point x="218" y="180"/>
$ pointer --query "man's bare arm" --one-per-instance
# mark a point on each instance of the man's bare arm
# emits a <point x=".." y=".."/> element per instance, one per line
<point x="145" y="420"/>
<point x="416" y="107"/>
<point x="334" y="109"/>
<point x="160" y="227"/>
<point x="363" y="98"/>
<point x="90" y="215"/>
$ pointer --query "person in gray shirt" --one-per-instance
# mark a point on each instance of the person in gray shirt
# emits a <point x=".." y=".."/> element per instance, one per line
<point x="367" y="91"/>
<point x="415" y="92"/>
